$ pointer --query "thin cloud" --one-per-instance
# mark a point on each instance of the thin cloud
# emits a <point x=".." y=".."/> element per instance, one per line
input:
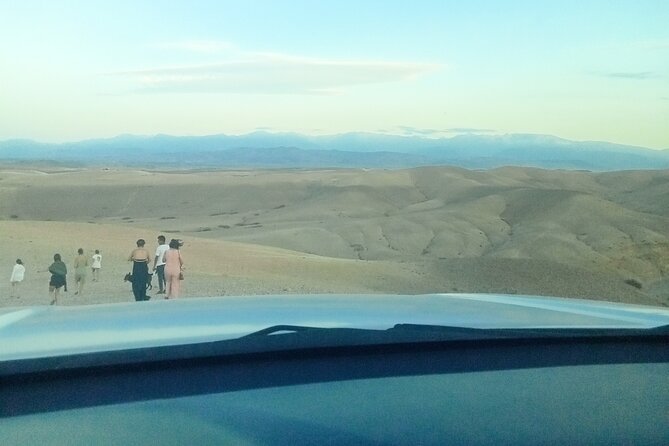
<point x="413" y="131"/>
<point x="469" y="130"/>
<point x="652" y="44"/>
<point x="634" y="75"/>
<point x="274" y="73"/>
<point x="407" y="130"/>
<point x="197" y="46"/>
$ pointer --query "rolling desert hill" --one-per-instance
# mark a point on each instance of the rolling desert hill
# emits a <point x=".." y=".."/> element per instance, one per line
<point x="427" y="229"/>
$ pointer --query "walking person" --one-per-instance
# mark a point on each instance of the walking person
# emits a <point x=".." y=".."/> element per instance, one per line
<point x="17" y="277"/>
<point x="173" y="269"/>
<point x="96" y="265"/>
<point x="58" y="279"/>
<point x="159" y="263"/>
<point x="80" y="271"/>
<point x="140" y="259"/>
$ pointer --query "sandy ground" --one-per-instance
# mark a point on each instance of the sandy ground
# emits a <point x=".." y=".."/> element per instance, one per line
<point x="212" y="267"/>
<point x="512" y="230"/>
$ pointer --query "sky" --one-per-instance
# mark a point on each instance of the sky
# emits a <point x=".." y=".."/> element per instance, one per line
<point x="580" y="70"/>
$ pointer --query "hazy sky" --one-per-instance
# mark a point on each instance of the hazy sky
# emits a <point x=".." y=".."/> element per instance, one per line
<point x="583" y="70"/>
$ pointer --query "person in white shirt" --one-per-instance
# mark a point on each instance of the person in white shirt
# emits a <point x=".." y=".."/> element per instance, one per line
<point x="17" y="277"/>
<point x="96" y="265"/>
<point x="159" y="263"/>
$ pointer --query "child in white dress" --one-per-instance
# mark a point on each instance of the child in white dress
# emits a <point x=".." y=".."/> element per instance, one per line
<point x="96" y="265"/>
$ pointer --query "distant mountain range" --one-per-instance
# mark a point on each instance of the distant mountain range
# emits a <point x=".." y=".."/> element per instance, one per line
<point x="291" y="150"/>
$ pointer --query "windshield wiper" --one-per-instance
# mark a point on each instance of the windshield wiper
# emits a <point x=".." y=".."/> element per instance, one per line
<point x="446" y="332"/>
<point x="532" y="332"/>
<point x="282" y="329"/>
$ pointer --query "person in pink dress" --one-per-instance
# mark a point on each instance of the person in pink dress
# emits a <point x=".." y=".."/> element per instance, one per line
<point x="173" y="269"/>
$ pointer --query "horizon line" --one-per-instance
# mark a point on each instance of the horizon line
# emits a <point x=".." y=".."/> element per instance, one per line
<point x="484" y="133"/>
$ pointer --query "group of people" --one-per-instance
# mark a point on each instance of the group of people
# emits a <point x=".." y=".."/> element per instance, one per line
<point x="81" y="263"/>
<point x="167" y="265"/>
<point x="58" y="271"/>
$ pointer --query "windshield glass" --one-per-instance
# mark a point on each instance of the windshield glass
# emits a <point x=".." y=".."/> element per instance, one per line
<point x="340" y="412"/>
<point x="216" y="149"/>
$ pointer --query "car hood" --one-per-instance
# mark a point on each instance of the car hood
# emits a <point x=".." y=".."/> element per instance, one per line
<point x="33" y="332"/>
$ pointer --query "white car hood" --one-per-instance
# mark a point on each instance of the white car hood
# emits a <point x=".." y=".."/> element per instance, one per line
<point x="33" y="332"/>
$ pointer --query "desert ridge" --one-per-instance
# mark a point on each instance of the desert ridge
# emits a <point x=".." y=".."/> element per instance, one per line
<point x="410" y="231"/>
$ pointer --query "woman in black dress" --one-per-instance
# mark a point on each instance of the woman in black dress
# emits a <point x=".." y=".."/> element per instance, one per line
<point x="140" y="270"/>
<point x="58" y="279"/>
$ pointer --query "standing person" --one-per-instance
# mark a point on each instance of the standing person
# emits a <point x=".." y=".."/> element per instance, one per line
<point x="96" y="265"/>
<point x="159" y="263"/>
<point x="140" y="259"/>
<point x="173" y="269"/>
<point x="80" y="271"/>
<point x="58" y="280"/>
<point x="17" y="277"/>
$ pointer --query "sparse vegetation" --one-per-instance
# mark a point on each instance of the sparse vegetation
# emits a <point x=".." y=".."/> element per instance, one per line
<point x="217" y="214"/>
<point x="253" y="224"/>
<point x="633" y="282"/>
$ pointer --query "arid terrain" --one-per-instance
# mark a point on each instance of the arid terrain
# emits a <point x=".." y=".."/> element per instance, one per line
<point x="438" y="229"/>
